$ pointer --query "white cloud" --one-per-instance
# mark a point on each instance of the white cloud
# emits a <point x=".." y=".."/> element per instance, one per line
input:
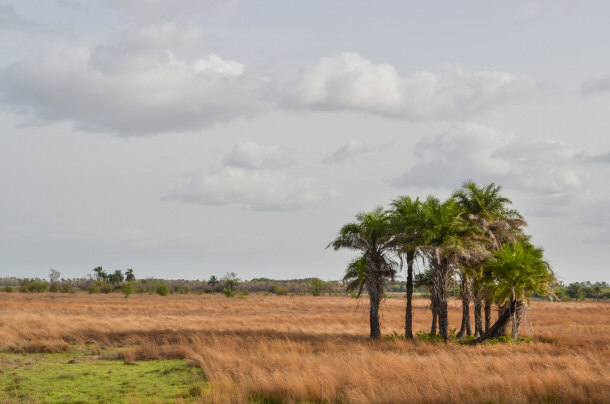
<point x="599" y="158"/>
<point x="350" y="81"/>
<point x="262" y="190"/>
<point x="252" y="155"/>
<point x="253" y="177"/>
<point x="164" y="9"/>
<point x="485" y="154"/>
<point x="350" y="149"/>
<point x="128" y="90"/>
<point x="594" y="86"/>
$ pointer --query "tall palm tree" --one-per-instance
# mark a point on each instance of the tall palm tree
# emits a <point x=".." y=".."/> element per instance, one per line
<point x="490" y="211"/>
<point x="449" y="240"/>
<point x="371" y="235"/>
<point x="518" y="269"/>
<point x="406" y="219"/>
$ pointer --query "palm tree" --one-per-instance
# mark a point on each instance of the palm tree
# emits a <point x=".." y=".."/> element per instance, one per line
<point x="518" y="269"/>
<point x="371" y="235"/>
<point x="448" y="239"/>
<point x="489" y="210"/>
<point x="406" y="220"/>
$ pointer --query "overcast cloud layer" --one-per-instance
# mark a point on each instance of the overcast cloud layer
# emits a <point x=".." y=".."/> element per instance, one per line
<point x="189" y="138"/>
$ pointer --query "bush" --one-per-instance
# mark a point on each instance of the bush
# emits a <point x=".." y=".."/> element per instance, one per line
<point x="8" y="289"/>
<point x="106" y="288"/>
<point x="429" y="337"/>
<point x="54" y="287"/>
<point x="162" y="289"/>
<point x="228" y="292"/>
<point x="243" y="294"/>
<point x="65" y="287"/>
<point x="278" y="290"/>
<point x="316" y="285"/>
<point x="127" y="288"/>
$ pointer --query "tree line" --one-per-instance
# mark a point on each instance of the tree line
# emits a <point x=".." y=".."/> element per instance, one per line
<point x="474" y="236"/>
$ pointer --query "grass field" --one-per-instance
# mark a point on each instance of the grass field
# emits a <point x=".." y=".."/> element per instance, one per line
<point x="310" y="349"/>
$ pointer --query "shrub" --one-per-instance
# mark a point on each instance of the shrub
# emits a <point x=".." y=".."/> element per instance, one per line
<point x="54" y="287"/>
<point x="8" y="289"/>
<point x="65" y="287"/>
<point x="162" y="289"/>
<point x="228" y="292"/>
<point x="127" y="288"/>
<point x="106" y="288"/>
<point x="429" y="337"/>
<point x="93" y="289"/>
<point x="395" y="337"/>
<point x="278" y="290"/>
<point x="317" y="285"/>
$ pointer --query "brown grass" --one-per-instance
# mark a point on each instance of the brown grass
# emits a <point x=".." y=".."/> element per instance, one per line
<point x="292" y="349"/>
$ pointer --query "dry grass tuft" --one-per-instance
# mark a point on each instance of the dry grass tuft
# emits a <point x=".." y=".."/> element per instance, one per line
<point x="304" y="348"/>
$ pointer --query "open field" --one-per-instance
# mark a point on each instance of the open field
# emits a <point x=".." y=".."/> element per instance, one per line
<point x="305" y="348"/>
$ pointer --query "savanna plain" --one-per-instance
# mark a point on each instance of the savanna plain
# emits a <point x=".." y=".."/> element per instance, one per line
<point x="302" y="349"/>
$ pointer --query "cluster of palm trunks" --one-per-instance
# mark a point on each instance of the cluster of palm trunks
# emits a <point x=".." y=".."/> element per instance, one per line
<point x="473" y="235"/>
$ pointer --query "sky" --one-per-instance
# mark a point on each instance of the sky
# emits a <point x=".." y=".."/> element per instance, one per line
<point x="188" y="138"/>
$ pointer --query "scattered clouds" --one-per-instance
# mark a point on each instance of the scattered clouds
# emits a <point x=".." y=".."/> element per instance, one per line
<point x="530" y="10"/>
<point x="163" y="9"/>
<point x="350" y="149"/>
<point x="545" y="167"/>
<point x="252" y="179"/>
<point x="535" y="10"/>
<point x="599" y="158"/>
<point x="350" y="81"/>
<point x="594" y="86"/>
<point x="127" y="89"/>
<point x="254" y="156"/>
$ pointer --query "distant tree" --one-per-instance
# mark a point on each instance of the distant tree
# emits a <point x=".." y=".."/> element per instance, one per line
<point x="129" y="276"/>
<point x="116" y="278"/>
<point x="317" y="285"/>
<point x="127" y="288"/>
<point x="100" y="274"/>
<point x="53" y="275"/>
<point x="213" y="282"/>
<point x="230" y="280"/>
<point x="162" y="289"/>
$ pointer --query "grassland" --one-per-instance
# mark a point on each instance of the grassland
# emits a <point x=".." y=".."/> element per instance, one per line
<point x="304" y="348"/>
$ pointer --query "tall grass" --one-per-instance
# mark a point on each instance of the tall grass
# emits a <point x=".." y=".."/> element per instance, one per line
<point x="291" y="349"/>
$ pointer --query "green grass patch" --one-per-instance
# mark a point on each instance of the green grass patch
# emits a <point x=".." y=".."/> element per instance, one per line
<point x="74" y="377"/>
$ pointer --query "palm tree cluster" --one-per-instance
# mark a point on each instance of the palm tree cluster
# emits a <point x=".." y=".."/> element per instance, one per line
<point x="472" y="236"/>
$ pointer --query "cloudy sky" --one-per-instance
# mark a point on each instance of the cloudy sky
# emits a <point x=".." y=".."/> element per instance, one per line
<point x="188" y="138"/>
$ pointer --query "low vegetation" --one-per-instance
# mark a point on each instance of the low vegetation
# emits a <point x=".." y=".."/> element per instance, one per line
<point x="315" y="348"/>
<point x="81" y="376"/>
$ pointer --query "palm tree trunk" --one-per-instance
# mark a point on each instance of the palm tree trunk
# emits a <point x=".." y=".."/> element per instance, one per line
<point x="441" y="282"/>
<point x="409" y="310"/>
<point x="374" y="321"/>
<point x="488" y="303"/>
<point x="443" y="320"/>
<point x="434" y="317"/>
<point x="465" y="292"/>
<point x="375" y="289"/>
<point x="517" y="316"/>
<point x="478" y="316"/>
<point x="498" y="329"/>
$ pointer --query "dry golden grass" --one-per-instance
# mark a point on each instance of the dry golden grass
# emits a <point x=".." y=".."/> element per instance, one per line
<point x="292" y="349"/>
